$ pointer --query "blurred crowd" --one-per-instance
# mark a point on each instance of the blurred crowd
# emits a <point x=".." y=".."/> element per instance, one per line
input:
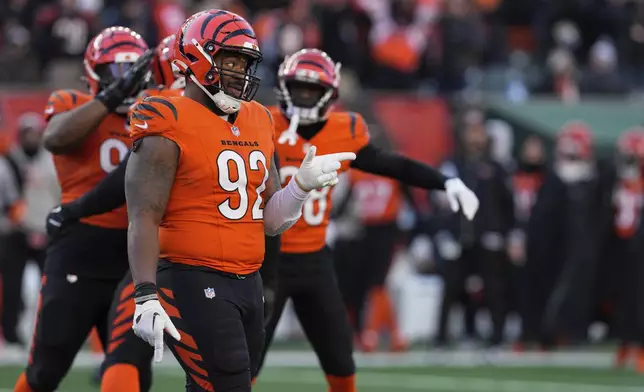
<point x="557" y="241"/>
<point x="563" y="46"/>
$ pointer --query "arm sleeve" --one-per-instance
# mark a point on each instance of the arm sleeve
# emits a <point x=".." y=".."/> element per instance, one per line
<point x="284" y="208"/>
<point x="374" y="160"/>
<point x="104" y="197"/>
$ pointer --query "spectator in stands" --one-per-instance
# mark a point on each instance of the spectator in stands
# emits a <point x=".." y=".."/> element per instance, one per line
<point x="135" y="14"/>
<point x="282" y="32"/>
<point x="33" y="178"/>
<point x="61" y="31"/>
<point x="464" y="40"/>
<point x="169" y="15"/>
<point x="399" y="37"/>
<point x="603" y="76"/>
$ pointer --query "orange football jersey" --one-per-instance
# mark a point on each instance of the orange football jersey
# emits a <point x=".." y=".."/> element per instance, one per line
<point x="99" y="154"/>
<point x="378" y="199"/>
<point x="214" y="217"/>
<point x="343" y="132"/>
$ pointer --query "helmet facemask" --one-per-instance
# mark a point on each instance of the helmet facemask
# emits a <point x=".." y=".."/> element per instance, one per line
<point x="232" y="74"/>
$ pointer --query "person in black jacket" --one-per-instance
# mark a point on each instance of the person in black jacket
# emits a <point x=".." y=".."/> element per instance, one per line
<point x="621" y="267"/>
<point x="526" y="182"/>
<point x="477" y="248"/>
<point x="564" y="234"/>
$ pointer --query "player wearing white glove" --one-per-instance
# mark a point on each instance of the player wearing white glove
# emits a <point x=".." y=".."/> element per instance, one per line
<point x="315" y="172"/>
<point x="151" y="321"/>
<point x="460" y="197"/>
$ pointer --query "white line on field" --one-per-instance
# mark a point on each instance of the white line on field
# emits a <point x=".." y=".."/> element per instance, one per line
<point x="442" y="383"/>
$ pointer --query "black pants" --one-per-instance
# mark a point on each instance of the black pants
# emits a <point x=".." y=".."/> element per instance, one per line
<point x="373" y="258"/>
<point x="123" y="346"/>
<point x="221" y="322"/>
<point x="492" y="267"/>
<point x="309" y="280"/>
<point x="630" y="301"/>
<point x="68" y="308"/>
<point x="16" y="252"/>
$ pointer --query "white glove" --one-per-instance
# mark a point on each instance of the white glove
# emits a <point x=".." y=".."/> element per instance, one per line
<point x="460" y="196"/>
<point x="150" y="320"/>
<point x="319" y="172"/>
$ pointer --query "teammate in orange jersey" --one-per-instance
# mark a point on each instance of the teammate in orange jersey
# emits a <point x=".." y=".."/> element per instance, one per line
<point x="307" y="89"/>
<point x="202" y="189"/>
<point x="87" y="135"/>
<point x="127" y="364"/>
<point x="378" y="201"/>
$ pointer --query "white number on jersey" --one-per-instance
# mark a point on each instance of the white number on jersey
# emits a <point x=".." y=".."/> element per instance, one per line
<point x="317" y="200"/>
<point x="240" y="184"/>
<point x="105" y="153"/>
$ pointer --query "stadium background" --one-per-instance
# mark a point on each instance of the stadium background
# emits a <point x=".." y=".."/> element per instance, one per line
<point x="413" y="68"/>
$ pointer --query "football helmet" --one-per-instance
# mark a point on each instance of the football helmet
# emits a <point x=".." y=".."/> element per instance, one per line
<point x="165" y="72"/>
<point x="110" y="54"/>
<point x="575" y="141"/>
<point x="630" y="153"/>
<point x="211" y="38"/>
<point x="307" y="87"/>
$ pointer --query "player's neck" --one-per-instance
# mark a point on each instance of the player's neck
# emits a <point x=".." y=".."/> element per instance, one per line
<point x="308" y="131"/>
<point x="194" y="92"/>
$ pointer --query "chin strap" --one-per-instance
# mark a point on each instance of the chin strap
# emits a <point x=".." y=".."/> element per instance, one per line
<point x="226" y="103"/>
<point x="290" y="134"/>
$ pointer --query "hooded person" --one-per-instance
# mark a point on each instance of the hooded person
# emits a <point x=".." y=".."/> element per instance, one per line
<point x="563" y="239"/>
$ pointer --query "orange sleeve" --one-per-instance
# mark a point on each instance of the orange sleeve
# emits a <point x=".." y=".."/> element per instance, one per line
<point x="61" y="101"/>
<point x="154" y="116"/>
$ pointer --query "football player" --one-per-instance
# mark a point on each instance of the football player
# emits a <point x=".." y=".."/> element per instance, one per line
<point x="87" y="135"/>
<point x="307" y="88"/>
<point x="127" y="359"/>
<point x="202" y="189"/>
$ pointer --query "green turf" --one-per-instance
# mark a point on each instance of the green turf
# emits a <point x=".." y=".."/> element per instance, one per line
<point x="434" y="379"/>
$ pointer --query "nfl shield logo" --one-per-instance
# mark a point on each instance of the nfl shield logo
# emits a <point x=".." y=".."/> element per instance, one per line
<point x="210" y="293"/>
<point x="235" y="130"/>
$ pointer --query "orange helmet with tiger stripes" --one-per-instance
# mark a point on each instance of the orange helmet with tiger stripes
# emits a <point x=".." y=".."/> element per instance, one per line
<point x="208" y="34"/>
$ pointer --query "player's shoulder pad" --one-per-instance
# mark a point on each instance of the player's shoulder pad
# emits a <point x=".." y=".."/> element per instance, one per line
<point x="353" y="122"/>
<point x="262" y="110"/>
<point x="152" y="116"/>
<point x="64" y="100"/>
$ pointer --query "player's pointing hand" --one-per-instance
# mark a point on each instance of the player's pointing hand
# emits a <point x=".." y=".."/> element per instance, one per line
<point x="150" y="321"/>
<point x="321" y="171"/>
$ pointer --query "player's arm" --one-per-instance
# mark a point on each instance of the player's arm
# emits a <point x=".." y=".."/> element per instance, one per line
<point x="106" y="196"/>
<point x="375" y="160"/>
<point x="67" y="130"/>
<point x="372" y="159"/>
<point x="284" y="207"/>
<point x="148" y="180"/>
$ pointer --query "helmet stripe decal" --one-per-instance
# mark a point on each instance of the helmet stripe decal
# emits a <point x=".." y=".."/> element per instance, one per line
<point x="209" y="19"/>
<point x="318" y="65"/>
<point x="237" y="33"/>
<point x="119" y="44"/>
<point x="221" y="26"/>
